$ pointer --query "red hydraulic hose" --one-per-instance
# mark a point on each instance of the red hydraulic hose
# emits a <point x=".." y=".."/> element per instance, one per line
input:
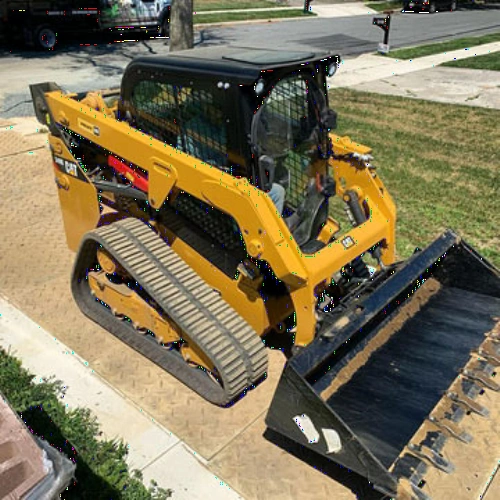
<point x="137" y="180"/>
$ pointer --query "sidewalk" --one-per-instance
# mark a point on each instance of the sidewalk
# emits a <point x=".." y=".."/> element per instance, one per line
<point x="372" y="67"/>
<point x="154" y="450"/>
<point x="423" y="78"/>
<point x="342" y="10"/>
<point x="321" y="10"/>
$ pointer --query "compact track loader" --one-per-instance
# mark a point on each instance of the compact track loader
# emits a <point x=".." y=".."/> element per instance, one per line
<point x="203" y="201"/>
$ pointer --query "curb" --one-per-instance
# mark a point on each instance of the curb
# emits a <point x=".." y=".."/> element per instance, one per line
<point x="225" y="11"/>
<point x="251" y="21"/>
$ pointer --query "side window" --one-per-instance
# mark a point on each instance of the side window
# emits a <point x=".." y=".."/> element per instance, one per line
<point x="284" y="131"/>
<point x="189" y="119"/>
<point x="204" y="128"/>
<point x="285" y="116"/>
<point x="156" y="110"/>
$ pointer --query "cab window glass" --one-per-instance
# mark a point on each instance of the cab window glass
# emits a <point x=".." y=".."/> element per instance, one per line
<point x="189" y="119"/>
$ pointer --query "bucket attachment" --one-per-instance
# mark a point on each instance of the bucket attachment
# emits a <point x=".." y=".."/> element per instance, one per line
<point x="402" y="388"/>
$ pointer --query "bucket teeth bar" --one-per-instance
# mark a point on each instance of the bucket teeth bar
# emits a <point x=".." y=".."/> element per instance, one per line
<point x="482" y="378"/>
<point x="493" y="336"/>
<point x="460" y="398"/>
<point x="425" y="453"/>
<point x="489" y="351"/>
<point x="450" y="428"/>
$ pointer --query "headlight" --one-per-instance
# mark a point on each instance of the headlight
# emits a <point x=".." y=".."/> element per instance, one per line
<point x="332" y="69"/>
<point x="259" y="86"/>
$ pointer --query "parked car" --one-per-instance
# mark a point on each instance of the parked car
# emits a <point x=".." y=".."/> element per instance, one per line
<point x="41" y="22"/>
<point x="429" y="5"/>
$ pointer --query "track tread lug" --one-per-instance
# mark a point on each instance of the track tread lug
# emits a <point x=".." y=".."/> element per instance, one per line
<point x="219" y="330"/>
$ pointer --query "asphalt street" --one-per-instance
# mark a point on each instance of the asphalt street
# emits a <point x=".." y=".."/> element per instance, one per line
<point x="91" y="63"/>
<point x="356" y="35"/>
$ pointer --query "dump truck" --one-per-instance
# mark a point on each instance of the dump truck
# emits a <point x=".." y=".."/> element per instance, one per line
<point x="214" y="213"/>
<point x="41" y="22"/>
<point x="30" y="468"/>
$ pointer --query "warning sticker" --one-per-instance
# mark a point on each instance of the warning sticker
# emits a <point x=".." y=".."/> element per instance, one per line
<point x="348" y="242"/>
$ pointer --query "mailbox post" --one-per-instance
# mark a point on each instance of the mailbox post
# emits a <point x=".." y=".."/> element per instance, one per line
<point x="385" y="24"/>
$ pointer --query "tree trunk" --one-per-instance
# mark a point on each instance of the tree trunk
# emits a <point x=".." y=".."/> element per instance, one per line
<point x="181" y="25"/>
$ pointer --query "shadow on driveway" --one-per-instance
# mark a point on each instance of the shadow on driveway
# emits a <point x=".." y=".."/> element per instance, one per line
<point x="112" y="44"/>
<point x="98" y="43"/>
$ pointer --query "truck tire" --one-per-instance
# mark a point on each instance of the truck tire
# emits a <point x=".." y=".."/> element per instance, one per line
<point x="45" y="38"/>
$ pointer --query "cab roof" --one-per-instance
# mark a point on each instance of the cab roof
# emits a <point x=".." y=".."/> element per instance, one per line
<point x="240" y="64"/>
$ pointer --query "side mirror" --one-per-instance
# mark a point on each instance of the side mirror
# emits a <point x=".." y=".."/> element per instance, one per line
<point x="330" y="119"/>
<point x="266" y="172"/>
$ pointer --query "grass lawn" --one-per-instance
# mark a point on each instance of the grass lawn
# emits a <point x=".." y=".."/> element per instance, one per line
<point x="488" y="61"/>
<point x="381" y="6"/>
<point x="439" y="48"/>
<point x="201" y="5"/>
<point x="246" y="16"/>
<point x="438" y="161"/>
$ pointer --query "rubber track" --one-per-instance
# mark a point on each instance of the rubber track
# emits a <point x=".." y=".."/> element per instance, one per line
<point x="221" y="333"/>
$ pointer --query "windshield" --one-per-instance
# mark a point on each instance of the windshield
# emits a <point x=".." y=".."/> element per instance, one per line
<point x="287" y="128"/>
